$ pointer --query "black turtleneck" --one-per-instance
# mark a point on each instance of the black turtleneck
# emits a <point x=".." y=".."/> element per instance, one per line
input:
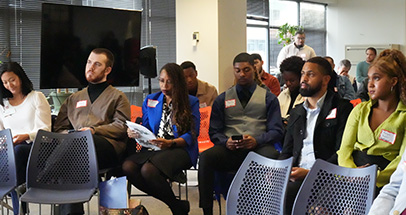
<point x="95" y="90"/>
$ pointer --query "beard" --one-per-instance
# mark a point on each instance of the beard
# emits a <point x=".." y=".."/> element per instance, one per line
<point x="310" y="91"/>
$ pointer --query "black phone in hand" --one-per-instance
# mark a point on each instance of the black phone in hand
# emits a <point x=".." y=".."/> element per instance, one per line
<point x="236" y="137"/>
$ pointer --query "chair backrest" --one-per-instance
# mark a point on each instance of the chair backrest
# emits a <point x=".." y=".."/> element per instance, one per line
<point x="8" y="176"/>
<point x="204" y="139"/>
<point x="331" y="189"/>
<point x="63" y="161"/>
<point x="136" y="112"/>
<point x="259" y="186"/>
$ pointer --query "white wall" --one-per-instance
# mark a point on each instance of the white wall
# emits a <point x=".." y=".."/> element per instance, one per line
<point x="352" y="22"/>
<point x="222" y="29"/>
<point x="192" y="16"/>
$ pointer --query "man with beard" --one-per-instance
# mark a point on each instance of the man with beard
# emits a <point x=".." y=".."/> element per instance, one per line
<point x="297" y="48"/>
<point x="314" y="128"/>
<point x="100" y="108"/>
<point x="205" y="92"/>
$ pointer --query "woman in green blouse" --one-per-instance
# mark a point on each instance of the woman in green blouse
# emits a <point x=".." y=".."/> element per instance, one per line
<point x="375" y="129"/>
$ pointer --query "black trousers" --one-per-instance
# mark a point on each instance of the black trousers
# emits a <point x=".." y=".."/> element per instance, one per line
<point x="291" y="193"/>
<point x="106" y="157"/>
<point x="219" y="158"/>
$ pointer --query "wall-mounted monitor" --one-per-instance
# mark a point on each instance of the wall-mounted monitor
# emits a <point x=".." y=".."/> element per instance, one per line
<point x="70" y="32"/>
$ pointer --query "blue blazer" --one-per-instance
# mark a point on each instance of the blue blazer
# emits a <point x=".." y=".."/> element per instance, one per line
<point x="151" y="117"/>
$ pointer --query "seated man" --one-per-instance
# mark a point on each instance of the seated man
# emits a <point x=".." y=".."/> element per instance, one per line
<point x="100" y="108"/>
<point x="245" y="118"/>
<point x="205" y="92"/>
<point x="269" y="80"/>
<point x="343" y="85"/>
<point x="314" y="128"/>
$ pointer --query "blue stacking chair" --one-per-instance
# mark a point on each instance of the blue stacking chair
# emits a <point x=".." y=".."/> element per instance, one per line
<point x="332" y="189"/>
<point x="8" y="175"/>
<point x="62" y="169"/>
<point x="259" y="186"/>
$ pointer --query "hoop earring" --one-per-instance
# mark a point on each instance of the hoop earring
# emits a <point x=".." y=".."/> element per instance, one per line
<point x="391" y="88"/>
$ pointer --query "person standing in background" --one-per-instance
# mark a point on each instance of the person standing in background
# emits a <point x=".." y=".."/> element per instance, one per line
<point x="297" y="48"/>
<point x="362" y="67"/>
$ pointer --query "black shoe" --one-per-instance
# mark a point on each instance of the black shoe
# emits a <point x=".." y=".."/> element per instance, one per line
<point x="182" y="208"/>
<point x="208" y="211"/>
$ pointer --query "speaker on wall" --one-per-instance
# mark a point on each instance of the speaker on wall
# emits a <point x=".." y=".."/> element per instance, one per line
<point x="148" y="61"/>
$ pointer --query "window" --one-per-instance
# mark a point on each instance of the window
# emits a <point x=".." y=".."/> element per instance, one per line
<point x="312" y="16"/>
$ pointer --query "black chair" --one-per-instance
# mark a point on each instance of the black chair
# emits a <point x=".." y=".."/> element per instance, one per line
<point x="62" y="169"/>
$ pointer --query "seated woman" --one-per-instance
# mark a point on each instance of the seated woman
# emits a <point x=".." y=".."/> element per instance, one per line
<point x="375" y="130"/>
<point x="173" y="116"/>
<point x="22" y="110"/>
<point x="291" y="69"/>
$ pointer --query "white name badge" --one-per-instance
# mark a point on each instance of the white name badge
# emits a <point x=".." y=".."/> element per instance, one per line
<point x="230" y="103"/>
<point x="81" y="103"/>
<point x="403" y="166"/>
<point x="387" y="136"/>
<point x="332" y="114"/>
<point x="8" y="111"/>
<point x="202" y="105"/>
<point x="152" y="103"/>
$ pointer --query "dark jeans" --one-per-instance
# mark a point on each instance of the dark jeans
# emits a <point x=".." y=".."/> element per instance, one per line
<point x="106" y="157"/>
<point x="219" y="158"/>
<point x="21" y="152"/>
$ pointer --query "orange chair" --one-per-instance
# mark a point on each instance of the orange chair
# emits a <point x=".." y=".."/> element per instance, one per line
<point x="204" y="139"/>
<point x="355" y="102"/>
<point x="136" y="112"/>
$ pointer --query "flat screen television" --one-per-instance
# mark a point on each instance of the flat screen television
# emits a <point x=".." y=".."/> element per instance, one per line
<point x="70" y="32"/>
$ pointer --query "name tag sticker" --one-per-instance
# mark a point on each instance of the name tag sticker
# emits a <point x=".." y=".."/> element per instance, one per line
<point x="387" y="136"/>
<point x="81" y="103"/>
<point x="152" y="103"/>
<point x="332" y="114"/>
<point x="202" y="105"/>
<point x="403" y="166"/>
<point x="230" y="103"/>
<point x="8" y="111"/>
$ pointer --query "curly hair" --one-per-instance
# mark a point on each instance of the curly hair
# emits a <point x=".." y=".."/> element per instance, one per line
<point x="292" y="64"/>
<point x="182" y="114"/>
<point x="26" y="84"/>
<point x="393" y="63"/>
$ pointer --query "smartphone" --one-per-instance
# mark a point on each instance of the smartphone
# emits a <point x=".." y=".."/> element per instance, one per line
<point x="236" y="137"/>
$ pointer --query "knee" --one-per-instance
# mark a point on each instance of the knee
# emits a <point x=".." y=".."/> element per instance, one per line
<point x="129" y="167"/>
<point x="268" y="151"/>
<point x="149" y="171"/>
<point x="209" y="157"/>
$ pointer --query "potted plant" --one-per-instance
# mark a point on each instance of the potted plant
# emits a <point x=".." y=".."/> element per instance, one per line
<point x="286" y="33"/>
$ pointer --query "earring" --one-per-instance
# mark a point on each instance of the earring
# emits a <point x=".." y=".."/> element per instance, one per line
<point x="391" y="88"/>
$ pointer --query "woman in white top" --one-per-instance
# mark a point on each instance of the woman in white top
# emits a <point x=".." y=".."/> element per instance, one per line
<point x="22" y="110"/>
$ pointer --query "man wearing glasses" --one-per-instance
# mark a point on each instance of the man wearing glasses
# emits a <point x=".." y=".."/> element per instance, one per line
<point x="297" y="48"/>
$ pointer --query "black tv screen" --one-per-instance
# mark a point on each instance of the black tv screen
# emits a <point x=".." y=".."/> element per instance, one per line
<point x="70" y="32"/>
